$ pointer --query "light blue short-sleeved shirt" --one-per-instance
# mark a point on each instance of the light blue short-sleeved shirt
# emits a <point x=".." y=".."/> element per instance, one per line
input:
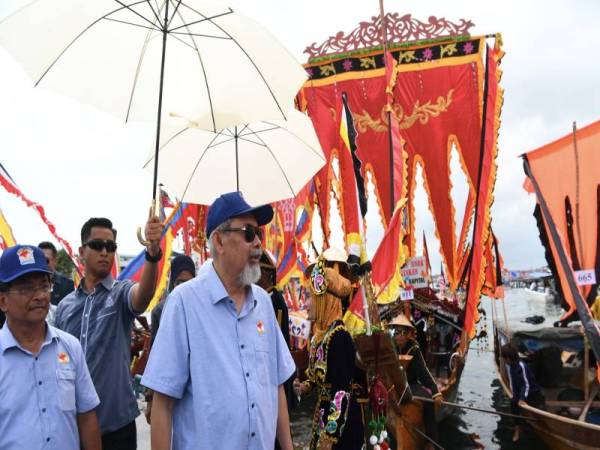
<point x="41" y="395"/>
<point x="102" y="321"/>
<point x="224" y="369"/>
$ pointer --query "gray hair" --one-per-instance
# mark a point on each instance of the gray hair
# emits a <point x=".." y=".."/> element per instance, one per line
<point x="211" y="239"/>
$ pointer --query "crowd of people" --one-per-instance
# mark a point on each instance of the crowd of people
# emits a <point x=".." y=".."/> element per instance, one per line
<point x="220" y="373"/>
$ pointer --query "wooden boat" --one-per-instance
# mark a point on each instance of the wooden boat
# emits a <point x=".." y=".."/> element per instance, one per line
<point x="446" y="365"/>
<point x="567" y="214"/>
<point x="562" y="424"/>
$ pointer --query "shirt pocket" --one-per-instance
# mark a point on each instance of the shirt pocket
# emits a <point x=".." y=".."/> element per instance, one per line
<point x="263" y="362"/>
<point x="66" y="389"/>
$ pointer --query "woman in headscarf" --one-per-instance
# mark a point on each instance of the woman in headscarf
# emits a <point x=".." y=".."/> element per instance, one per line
<point x="337" y="420"/>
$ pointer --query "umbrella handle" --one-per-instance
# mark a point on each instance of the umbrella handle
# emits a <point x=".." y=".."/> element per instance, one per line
<point x="141" y="238"/>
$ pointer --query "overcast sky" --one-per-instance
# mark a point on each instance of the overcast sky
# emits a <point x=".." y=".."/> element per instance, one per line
<point x="79" y="162"/>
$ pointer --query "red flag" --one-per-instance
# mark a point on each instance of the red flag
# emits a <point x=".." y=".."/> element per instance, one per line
<point x="481" y="227"/>
<point x="388" y="260"/>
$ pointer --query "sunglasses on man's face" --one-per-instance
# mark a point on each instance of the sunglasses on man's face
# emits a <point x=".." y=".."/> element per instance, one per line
<point x="99" y="244"/>
<point x="250" y="232"/>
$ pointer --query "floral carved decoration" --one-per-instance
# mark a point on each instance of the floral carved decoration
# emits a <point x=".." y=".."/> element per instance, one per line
<point x="398" y="29"/>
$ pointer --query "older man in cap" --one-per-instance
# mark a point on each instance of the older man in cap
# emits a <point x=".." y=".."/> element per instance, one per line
<point x="219" y="360"/>
<point x="47" y="398"/>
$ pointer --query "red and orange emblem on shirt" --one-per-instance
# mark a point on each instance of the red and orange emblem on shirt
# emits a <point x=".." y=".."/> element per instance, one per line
<point x="63" y="358"/>
<point x="260" y="326"/>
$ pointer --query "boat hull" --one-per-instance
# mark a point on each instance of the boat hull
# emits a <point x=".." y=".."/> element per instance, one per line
<point x="556" y="431"/>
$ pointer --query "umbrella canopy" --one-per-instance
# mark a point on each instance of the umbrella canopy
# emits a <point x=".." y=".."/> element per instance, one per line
<point x="221" y="68"/>
<point x="267" y="161"/>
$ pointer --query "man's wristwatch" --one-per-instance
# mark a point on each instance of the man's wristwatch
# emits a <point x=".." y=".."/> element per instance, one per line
<point x="153" y="259"/>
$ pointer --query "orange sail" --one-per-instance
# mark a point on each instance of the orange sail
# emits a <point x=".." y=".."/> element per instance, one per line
<point x="565" y="178"/>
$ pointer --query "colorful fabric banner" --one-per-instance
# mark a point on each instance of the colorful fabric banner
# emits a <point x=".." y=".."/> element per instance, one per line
<point x="176" y="222"/>
<point x="352" y="194"/>
<point x="437" y="92"/>
<point x="492" y="286"/>
<point x="7" y="239"/>
<point x="289" y="229"/>
<point x="386" y="278"/>
<point x="485" y="186"/>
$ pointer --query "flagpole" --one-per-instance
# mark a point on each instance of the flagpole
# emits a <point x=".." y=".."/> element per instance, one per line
<point x="389" y="113"/>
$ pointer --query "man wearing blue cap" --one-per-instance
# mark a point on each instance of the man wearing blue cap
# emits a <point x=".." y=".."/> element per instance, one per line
<point x="47" y="399"/>
<point x="219" y="360"/>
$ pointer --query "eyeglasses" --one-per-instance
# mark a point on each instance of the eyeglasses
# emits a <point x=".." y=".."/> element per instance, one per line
<point x="99" y="244"/>
<point x="29" y="291"/>
<point x="250" y="232"/>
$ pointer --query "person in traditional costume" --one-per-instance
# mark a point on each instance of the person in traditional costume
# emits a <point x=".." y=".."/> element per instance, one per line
<point x="419" y="378"/>
<point x="337" y="420"/>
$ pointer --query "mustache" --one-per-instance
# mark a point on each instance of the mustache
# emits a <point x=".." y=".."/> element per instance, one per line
<point x="38" y="305"/>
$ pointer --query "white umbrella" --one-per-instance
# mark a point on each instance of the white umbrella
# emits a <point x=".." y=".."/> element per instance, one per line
<point x="266" y="161"/>
<point x="201" y="59"/>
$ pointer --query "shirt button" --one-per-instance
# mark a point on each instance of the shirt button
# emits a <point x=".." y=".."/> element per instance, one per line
<point x="247" y="374"/>
<point x="36" y="358"/>
<point x="239" y="320"/>
<point x="241" y="346"/>
<point x="47" y="439"/>
<point x="253" y="434"/>
<point x="39" y="382"/>
<point x="43" y="409"/>
<point x="83" y="335"/>
<point x="252" y="405"/>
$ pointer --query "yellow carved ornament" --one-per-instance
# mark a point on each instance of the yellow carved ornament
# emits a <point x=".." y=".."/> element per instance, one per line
<point x="421" y="113"/>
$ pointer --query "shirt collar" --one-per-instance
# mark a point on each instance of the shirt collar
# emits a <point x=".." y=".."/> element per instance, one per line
<point x="107" y="283"/>
<point x="7" y="339"/>
<point x="217" y="291"/>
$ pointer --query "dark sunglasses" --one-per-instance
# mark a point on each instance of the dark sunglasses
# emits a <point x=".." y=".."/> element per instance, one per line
<point x="250" y="232"/>
<point x="99" y="244"/>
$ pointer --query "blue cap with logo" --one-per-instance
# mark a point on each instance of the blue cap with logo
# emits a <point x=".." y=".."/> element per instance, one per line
<point x="231" y="205"/>
<point x="20" y="260"/>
